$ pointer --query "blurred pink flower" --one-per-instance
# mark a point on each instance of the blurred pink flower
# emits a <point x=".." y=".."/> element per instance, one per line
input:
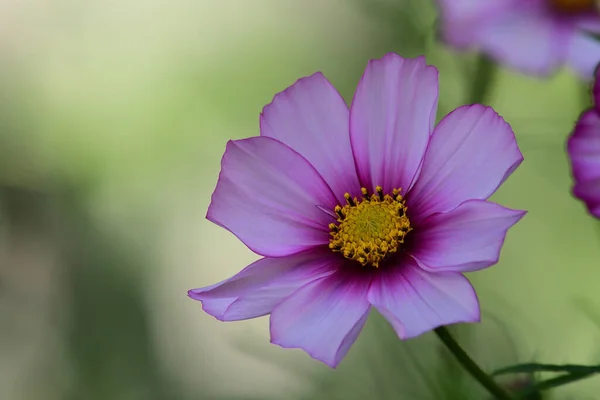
<point x="364" y="207"/>
<point x="584" y="151"/>
<point x="532" y="36"/>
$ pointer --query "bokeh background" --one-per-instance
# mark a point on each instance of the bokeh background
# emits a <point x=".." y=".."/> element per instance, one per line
<point x="113" y="118"/>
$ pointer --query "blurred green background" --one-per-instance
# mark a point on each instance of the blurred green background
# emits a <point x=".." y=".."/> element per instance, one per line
<point x="113" y="118"/>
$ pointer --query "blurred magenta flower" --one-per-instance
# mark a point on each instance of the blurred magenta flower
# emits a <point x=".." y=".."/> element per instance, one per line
<point x="584" y="151"/>
<point x="364" y="207"/>
<point x="532" y="36"/>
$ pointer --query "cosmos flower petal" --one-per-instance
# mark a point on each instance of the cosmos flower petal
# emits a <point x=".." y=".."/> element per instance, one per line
<point x="460" y="18"/>
<point x="584" y="151"/>
<point x="472" y="151"/>
<point x="529" y="43"/>
<point x="473" y="9"/>
<point x="584" y="147"/>
<point x="262" y="285"/>
<point x="271" y="198"/>
<point x="596" y="88"/>
<point x="323" y="318"/>
<point x="588" y="22"/>
<point x="583" y="54"/>
<point x="391" y="119"/>
<point x="415" y="301"/>
<point x="312" y="118"/>
<point x="520" y="35"/>
<point x="466" y="239"/>
<point x="589" y="193"/>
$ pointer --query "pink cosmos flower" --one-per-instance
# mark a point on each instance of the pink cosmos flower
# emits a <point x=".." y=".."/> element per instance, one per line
<point x="532" y="36"/>
<point x="584" y="151"/>
<point x="360" y="208"/>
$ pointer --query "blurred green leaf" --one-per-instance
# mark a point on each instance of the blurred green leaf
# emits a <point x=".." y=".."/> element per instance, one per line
<point x="536" y="367"/>
<point x="588" y="308"/>
<point x="484" y="77"/>
<point x="553" y="383"/>
<point x="409" y="25"/>
<point x="108" y="337"/>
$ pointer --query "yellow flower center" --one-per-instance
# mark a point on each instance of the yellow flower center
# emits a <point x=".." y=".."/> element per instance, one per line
<point x="370" y="228"/>
<point x="571" y="7"/>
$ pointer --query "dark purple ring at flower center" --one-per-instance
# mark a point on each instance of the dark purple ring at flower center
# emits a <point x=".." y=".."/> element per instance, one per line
<point x="572" y="7"/>
<point x="370" y="228"/>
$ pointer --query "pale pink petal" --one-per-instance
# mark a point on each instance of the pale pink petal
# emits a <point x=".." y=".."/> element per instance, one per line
<point x="474" y="9"/>
<point x="270" y="197"/>
<point x="259" y="287"/>
<point x="583" y="54"/>
<point x="324" y="317"/>
<point x="529" y="43"/>
<point x="391" y="119"/>
<point x="460" y="18"/>
<point x="472" y="151"/>
<point x="521" y="35"/>
<point x="415" y="301"/>
<point x="466" y="239"/>
<point x="312" y="118"/>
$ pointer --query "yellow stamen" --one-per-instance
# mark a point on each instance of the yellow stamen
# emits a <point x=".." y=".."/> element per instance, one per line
<point x="370" y="228"/>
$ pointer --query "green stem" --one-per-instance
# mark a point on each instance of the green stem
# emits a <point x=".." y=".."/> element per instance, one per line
<point x="485" y="73"/>
<point x="470" y="366"/>
<point x="555" y="382"/>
